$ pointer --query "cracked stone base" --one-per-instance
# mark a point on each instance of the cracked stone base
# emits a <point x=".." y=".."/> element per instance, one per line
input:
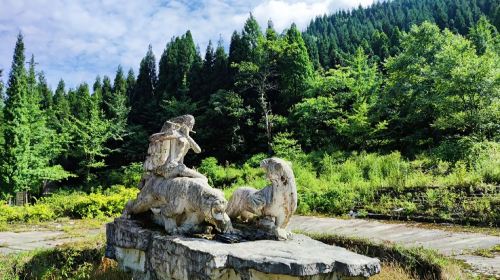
<point x="151" y="254"/>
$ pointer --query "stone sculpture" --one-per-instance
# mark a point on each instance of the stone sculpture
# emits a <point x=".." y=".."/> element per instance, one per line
<point x="181" y="200"/>
<point x="179" y="197"/>
<point x="272" y="206"/>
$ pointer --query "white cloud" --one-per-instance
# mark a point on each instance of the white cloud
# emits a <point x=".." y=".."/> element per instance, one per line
<point x="283" y="13"/>
<point x="77" y="40"/>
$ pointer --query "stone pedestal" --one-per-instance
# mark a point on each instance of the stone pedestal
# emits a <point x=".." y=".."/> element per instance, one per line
<point x="151" y="254"/>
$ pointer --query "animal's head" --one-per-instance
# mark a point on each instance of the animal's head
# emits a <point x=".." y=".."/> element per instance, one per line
<point x="215" y="211"/>
<point x="278" y="171"/>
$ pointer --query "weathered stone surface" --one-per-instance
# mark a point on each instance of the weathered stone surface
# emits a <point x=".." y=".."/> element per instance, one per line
<point x="131" y="259"/>
<point x="183" y="204"/>
<point x="175" y="257"/>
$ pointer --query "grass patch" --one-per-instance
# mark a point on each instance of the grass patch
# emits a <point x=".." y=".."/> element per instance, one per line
<point x="392" y="271"/>
<point x="417" y="262"/>
<point x="494" y="231"/>
<point x="69" y="226"/>
<point x="80" y="260"/>
<point x="425" y="189"/>
<point x="488" y="253"/>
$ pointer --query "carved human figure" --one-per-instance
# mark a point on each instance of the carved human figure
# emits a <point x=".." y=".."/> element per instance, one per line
<point x="168" y="147"/>
<point x="274" y="205"/>
<point x="179" y="197"/>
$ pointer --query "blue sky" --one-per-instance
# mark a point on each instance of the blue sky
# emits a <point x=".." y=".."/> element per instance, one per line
<point x="76" y="39"/>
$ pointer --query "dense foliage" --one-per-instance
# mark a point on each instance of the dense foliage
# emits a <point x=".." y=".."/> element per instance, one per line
<point x="378" y="29"/>
<point x="422" y="98"/>
<point x="72" y="204"/>
<point x="386" y="186"/>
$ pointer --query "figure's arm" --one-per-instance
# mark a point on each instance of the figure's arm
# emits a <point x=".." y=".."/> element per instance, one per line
<point x="184" y="131"/>
<point x="196" y="148"/>
<point x="164" y="136"/>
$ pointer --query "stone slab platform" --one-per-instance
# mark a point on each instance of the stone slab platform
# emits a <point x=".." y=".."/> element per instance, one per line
<point x="151" y="254"/>
<point x="459" y="245"/>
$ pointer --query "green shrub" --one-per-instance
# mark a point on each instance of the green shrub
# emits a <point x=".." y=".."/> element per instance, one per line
<point x="70" y="204"/>
<point x="132" y="174"/>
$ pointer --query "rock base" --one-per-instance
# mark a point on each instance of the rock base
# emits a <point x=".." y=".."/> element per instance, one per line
<point x="151" y="254"/>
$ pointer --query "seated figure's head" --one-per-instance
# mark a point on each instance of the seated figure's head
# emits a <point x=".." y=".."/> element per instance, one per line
<point x="184" y="120"/>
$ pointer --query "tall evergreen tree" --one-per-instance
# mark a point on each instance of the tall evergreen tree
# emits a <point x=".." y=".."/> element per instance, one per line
<point x="46" y="98"/>
<point x="117" y="113"/>
<point x="120" y="82"/>
<point x="142" y="119"/>
<point x="97" y="91"/>
<point x="174" y="68"/>
<point x="117" y="104"/>
<point x="80" y="101"/>
<point x="61" y="105"/>
<point x="30" y="146"/>
<point x="256" y="79"/>
<point x="130" y="85"/>
<point x="90" y="136"/>
<point x="221" y="69"/>
<point x="44" y="143"/>
<point x="484" y="36"/>
<point x="296" y="70"/>
<point x="15" y="160"/>
<point x="107" y="95"/>
<point x="236" y="49"/>
<point x="250" y="37"/>
<point x="143" y="101"/>
<point x="2" y="123"/>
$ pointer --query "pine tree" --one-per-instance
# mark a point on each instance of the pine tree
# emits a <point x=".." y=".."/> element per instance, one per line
<point x="61" y="105"/>
<point x="62" y="117"/>
<point x="250" y="37"/>
<point x="107" y="95"/>
<point x="30" y="145"/>
<point x="142" y="119"/>
<point x="143" y="101"/>
<point x="46" y="98"/>
<point x="236" y="49"/>
<point x="117" y="114"/>
<point x="80" y="101"/>
<point x="256" y="79"/>
<point x="120" y="83"/>
<point x="221" y="70"/>
<point x="117" y="104"/>
<point x="97" y="91"/>
<point x="130" y="85"/>
<point x="90" y="136"/>
<point x="296" y="70"/>
<point x="44" y="143"/>
<point x="2" y="122"/>
<point x="175" y="66"/>
<point x="15" y="160"/>
<point x="271" y="34"/>
<point x="207" y="72"/>
<point x="484" y="36"/>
